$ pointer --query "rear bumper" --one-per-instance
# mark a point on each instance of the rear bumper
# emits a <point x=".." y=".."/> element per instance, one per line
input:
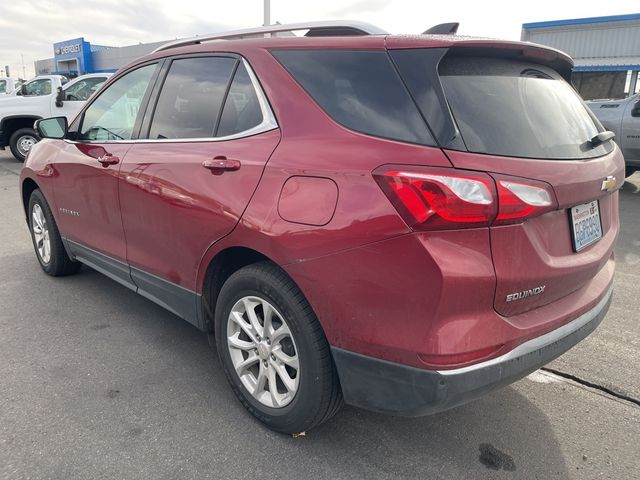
<point x="393" y="388"/>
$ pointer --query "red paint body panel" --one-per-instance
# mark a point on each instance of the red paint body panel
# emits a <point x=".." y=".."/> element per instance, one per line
<point x="308" y="200"/>
<point x="173" y="208"/>
<point x="84" y="186"/>
<point x="539" y="251"/>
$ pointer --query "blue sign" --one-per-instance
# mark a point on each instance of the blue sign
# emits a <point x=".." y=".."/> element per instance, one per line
<point x="73" y="56"/>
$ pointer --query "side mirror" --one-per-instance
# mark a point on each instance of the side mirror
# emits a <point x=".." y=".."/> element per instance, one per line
<point x="23" y="89"/>
<point x="59" y="97"/>
<point x="55" y="127"/>
<point x="635" y="110"/>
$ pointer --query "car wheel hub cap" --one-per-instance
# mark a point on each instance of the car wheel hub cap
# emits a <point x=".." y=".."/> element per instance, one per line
<point x="41" y="233"/>
<point x="263" y="352"/>
<point x="25" y="143"/>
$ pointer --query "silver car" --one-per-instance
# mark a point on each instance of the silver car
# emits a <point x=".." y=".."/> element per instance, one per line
<point x="623" y="118"/>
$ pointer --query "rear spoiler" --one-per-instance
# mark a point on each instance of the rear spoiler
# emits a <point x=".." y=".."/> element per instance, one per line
<point x="463" y="45"/>
<point x="443" y="29"/>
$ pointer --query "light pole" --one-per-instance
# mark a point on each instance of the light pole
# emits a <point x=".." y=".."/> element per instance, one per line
<point x="267" y="13"/>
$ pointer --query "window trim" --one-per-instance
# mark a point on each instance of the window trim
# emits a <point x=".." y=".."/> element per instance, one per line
<point x="268" y="123"/>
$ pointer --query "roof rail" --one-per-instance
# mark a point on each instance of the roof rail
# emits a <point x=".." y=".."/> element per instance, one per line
<point x="323" y="28"/>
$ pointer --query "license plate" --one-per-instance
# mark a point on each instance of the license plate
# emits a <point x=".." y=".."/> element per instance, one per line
<point x="585" y="224"/>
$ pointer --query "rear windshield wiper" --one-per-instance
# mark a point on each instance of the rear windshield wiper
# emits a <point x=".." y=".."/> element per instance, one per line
<point x="601" y="138"/>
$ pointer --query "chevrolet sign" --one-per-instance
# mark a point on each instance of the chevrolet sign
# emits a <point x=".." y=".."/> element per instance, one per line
<point x="75" y="48"/>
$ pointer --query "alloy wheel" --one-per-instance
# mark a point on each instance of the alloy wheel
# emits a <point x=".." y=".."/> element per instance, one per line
<point x="263" y="351"/>
<point x="41" y="233"/>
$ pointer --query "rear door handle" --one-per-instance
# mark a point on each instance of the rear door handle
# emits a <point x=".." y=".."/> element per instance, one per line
<point x="221" y="164"/>
<point x="108" y="159"/>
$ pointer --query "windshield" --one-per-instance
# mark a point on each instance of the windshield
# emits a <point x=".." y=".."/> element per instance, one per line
<point x="512" y="108"/>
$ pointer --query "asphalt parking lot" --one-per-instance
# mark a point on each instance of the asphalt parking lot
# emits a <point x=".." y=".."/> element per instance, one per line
<point x="97" y="382"/>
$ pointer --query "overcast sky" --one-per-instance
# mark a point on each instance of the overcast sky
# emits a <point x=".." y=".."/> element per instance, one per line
<point x="30" y="28"/>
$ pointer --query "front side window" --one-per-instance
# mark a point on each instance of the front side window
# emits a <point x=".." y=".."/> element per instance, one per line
<point x="191" y="98"/>
<point x="113" y="114"/>
<point x="38" y="87"/>
<point x="82" y="90"/>
<point x="3" y="86"/>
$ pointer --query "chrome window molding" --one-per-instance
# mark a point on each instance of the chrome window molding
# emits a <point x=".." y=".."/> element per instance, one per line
<point x="268" y="123"/>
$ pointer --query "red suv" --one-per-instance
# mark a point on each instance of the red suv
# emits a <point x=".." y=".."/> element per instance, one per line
<point x="402" y="223"/>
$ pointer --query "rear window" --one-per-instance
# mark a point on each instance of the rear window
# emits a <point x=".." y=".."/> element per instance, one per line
<point x="511" y="108"/>
<point x="360" y="90"/>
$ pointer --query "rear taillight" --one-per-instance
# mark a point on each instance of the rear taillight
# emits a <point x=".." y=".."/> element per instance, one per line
<point x="519" y="199"/>
<point x="430" y="198"/>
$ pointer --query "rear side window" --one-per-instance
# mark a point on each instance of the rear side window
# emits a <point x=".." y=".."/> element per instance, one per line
<point x="38" y="87"/>
<point x="359" y="89"/>
<point x="83" y="89"/>
<point x="191" y="98"/>
<point x="3" y="86"/>
<point x="242" y="108"/>
<point x="513" y="108"/>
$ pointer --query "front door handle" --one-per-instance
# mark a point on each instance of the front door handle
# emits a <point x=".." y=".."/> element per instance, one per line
<point x="108" y="159"/>
<point x="221" y="164"/>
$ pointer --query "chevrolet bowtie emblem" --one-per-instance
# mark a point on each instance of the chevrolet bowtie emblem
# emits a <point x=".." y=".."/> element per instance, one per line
<point x="609" y="184"/>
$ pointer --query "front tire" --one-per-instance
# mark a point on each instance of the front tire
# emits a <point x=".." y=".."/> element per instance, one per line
<point x="273" y="350"/>
<point x="46" y="239"/>
<point x="22" y="141"/>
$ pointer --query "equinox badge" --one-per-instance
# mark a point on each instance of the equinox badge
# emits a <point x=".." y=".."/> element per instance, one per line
<point x="525" y="293"/>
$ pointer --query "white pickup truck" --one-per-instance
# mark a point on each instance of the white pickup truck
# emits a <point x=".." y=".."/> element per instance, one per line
<point x="42" y="97"/>
<point x="622" y="117"/>
<point x="8" y="85"/>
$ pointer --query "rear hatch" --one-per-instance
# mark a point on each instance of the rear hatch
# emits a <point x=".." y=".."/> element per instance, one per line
<point x="508" y="111"/>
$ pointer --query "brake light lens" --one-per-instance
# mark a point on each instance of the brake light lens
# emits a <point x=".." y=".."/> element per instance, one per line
<point x="521" y="199"/>
<point x="440" y="198"/>
<point x="430" y="198"/>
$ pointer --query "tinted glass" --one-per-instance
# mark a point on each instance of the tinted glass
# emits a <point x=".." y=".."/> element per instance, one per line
<point x="513" y="108"/>
<point x="3" y="86"/>
<point x="191" y="98"/>
<point x="359" y="89"/>
<point x="242" y="108"/>
<point x="83" y="89"/>
<point x="38" y="87"/>
<point x="113" y="114"/>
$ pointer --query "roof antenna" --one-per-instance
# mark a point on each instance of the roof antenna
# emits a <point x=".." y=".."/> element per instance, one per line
<point x="443" y="29"/>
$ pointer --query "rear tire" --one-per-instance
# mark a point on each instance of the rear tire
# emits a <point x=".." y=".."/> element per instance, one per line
<point x="304" y="390"/>
<point x="47" y="242"/>
<point x="22" y="141"/>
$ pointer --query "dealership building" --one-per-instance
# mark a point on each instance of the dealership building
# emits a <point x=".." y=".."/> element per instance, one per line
<point x="606" y="51"/>
<point x="78" y="56"/>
